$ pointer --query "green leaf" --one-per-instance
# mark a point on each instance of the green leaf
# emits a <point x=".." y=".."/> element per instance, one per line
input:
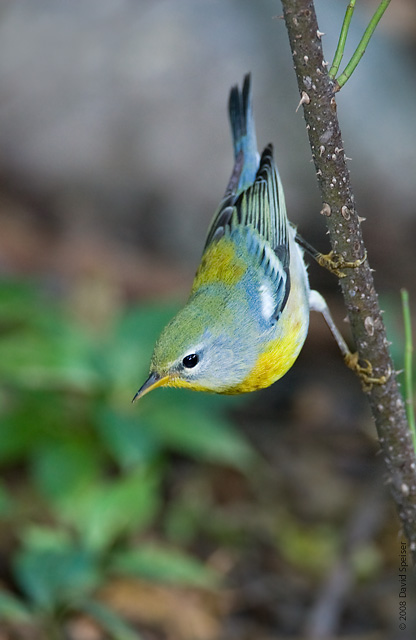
<point x="12" y="609"/>
<point x="202" y="434"/>
<point x="104" y="512"/>
<point x="42" y="538"/>
<point x="165" y="565"/>
<point x="130" y="443"/>
<point x="109" y="621"/>
<point x="33" y="362"/>
<point x="125" y="360"/>
<point x="16" y="299"/>
<point x="40" y="347"/>
<point x="16" y="440"/>
<point x="43" y="419"/>
<point x="53" y="577"/>
<point x="64" y="468"/>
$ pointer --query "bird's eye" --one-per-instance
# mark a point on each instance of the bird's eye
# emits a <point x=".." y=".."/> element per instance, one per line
<point x="190" y="361"/>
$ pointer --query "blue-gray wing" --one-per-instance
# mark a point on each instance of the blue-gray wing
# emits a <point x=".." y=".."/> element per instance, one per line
<point x="260" y="212"/>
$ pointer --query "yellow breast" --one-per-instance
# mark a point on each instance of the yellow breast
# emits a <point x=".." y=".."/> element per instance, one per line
<point x="276" y="360"/>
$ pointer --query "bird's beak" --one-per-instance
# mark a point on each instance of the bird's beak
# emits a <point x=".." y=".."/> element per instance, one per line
<point x="153" y="381"/>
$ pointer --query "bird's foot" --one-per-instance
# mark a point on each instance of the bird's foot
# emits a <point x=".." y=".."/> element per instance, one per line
<point x="364" y="372"/>
<point x="335" y="263"/>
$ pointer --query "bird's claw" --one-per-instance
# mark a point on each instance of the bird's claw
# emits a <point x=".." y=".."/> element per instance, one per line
<point x="335" y="263"/>
<point x="364" y="372"/>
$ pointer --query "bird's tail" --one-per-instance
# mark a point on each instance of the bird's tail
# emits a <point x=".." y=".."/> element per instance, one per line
<point x="243" y="131"/>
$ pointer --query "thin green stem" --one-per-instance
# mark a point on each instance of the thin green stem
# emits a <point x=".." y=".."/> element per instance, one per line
<point x="359" y="52"/>
<point x="342" y="40"/>
<point x="408" y="365"/>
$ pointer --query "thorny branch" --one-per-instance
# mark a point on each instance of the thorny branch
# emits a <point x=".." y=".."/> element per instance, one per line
<point x="317" y="92"/>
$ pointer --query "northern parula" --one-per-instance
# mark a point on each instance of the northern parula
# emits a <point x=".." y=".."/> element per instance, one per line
<point x="247" y="316"/>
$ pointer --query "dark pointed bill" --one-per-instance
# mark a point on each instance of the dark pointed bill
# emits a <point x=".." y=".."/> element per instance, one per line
<point x="153" y="381"/>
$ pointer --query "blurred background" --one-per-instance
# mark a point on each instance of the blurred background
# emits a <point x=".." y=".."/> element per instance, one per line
<point x="186" y="516"/>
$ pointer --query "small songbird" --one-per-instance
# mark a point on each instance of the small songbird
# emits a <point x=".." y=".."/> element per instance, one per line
<point x="247" y="316"/>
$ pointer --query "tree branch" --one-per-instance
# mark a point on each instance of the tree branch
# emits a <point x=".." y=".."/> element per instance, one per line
<point x="320" y="111"/>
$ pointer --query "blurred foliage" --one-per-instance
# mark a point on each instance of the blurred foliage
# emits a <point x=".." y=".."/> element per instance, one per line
<point x="166" y="492"/>
<point x="84" y="469"/>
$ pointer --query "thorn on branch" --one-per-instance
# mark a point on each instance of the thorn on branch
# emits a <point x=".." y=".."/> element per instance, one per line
<point x="405" y="489"/>
<point x="345" y="212"/>
<point x="305" y="99"/>
<point x="326" y="210"/>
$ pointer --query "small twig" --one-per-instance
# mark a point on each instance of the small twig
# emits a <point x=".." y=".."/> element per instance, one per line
<point x="408" y="365"/>
<point x="342" y="40"/>
<point x="360" y="50"/>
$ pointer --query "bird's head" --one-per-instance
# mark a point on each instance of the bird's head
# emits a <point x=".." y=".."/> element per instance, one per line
<point x="199" y="350"/>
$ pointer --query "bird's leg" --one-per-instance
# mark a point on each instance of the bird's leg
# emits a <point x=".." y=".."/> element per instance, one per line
<point x="331" y="261"/>
<point x="364" y="372"/>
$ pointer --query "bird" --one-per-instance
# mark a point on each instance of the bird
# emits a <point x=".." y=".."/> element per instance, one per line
<point x="247" y="316"/>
